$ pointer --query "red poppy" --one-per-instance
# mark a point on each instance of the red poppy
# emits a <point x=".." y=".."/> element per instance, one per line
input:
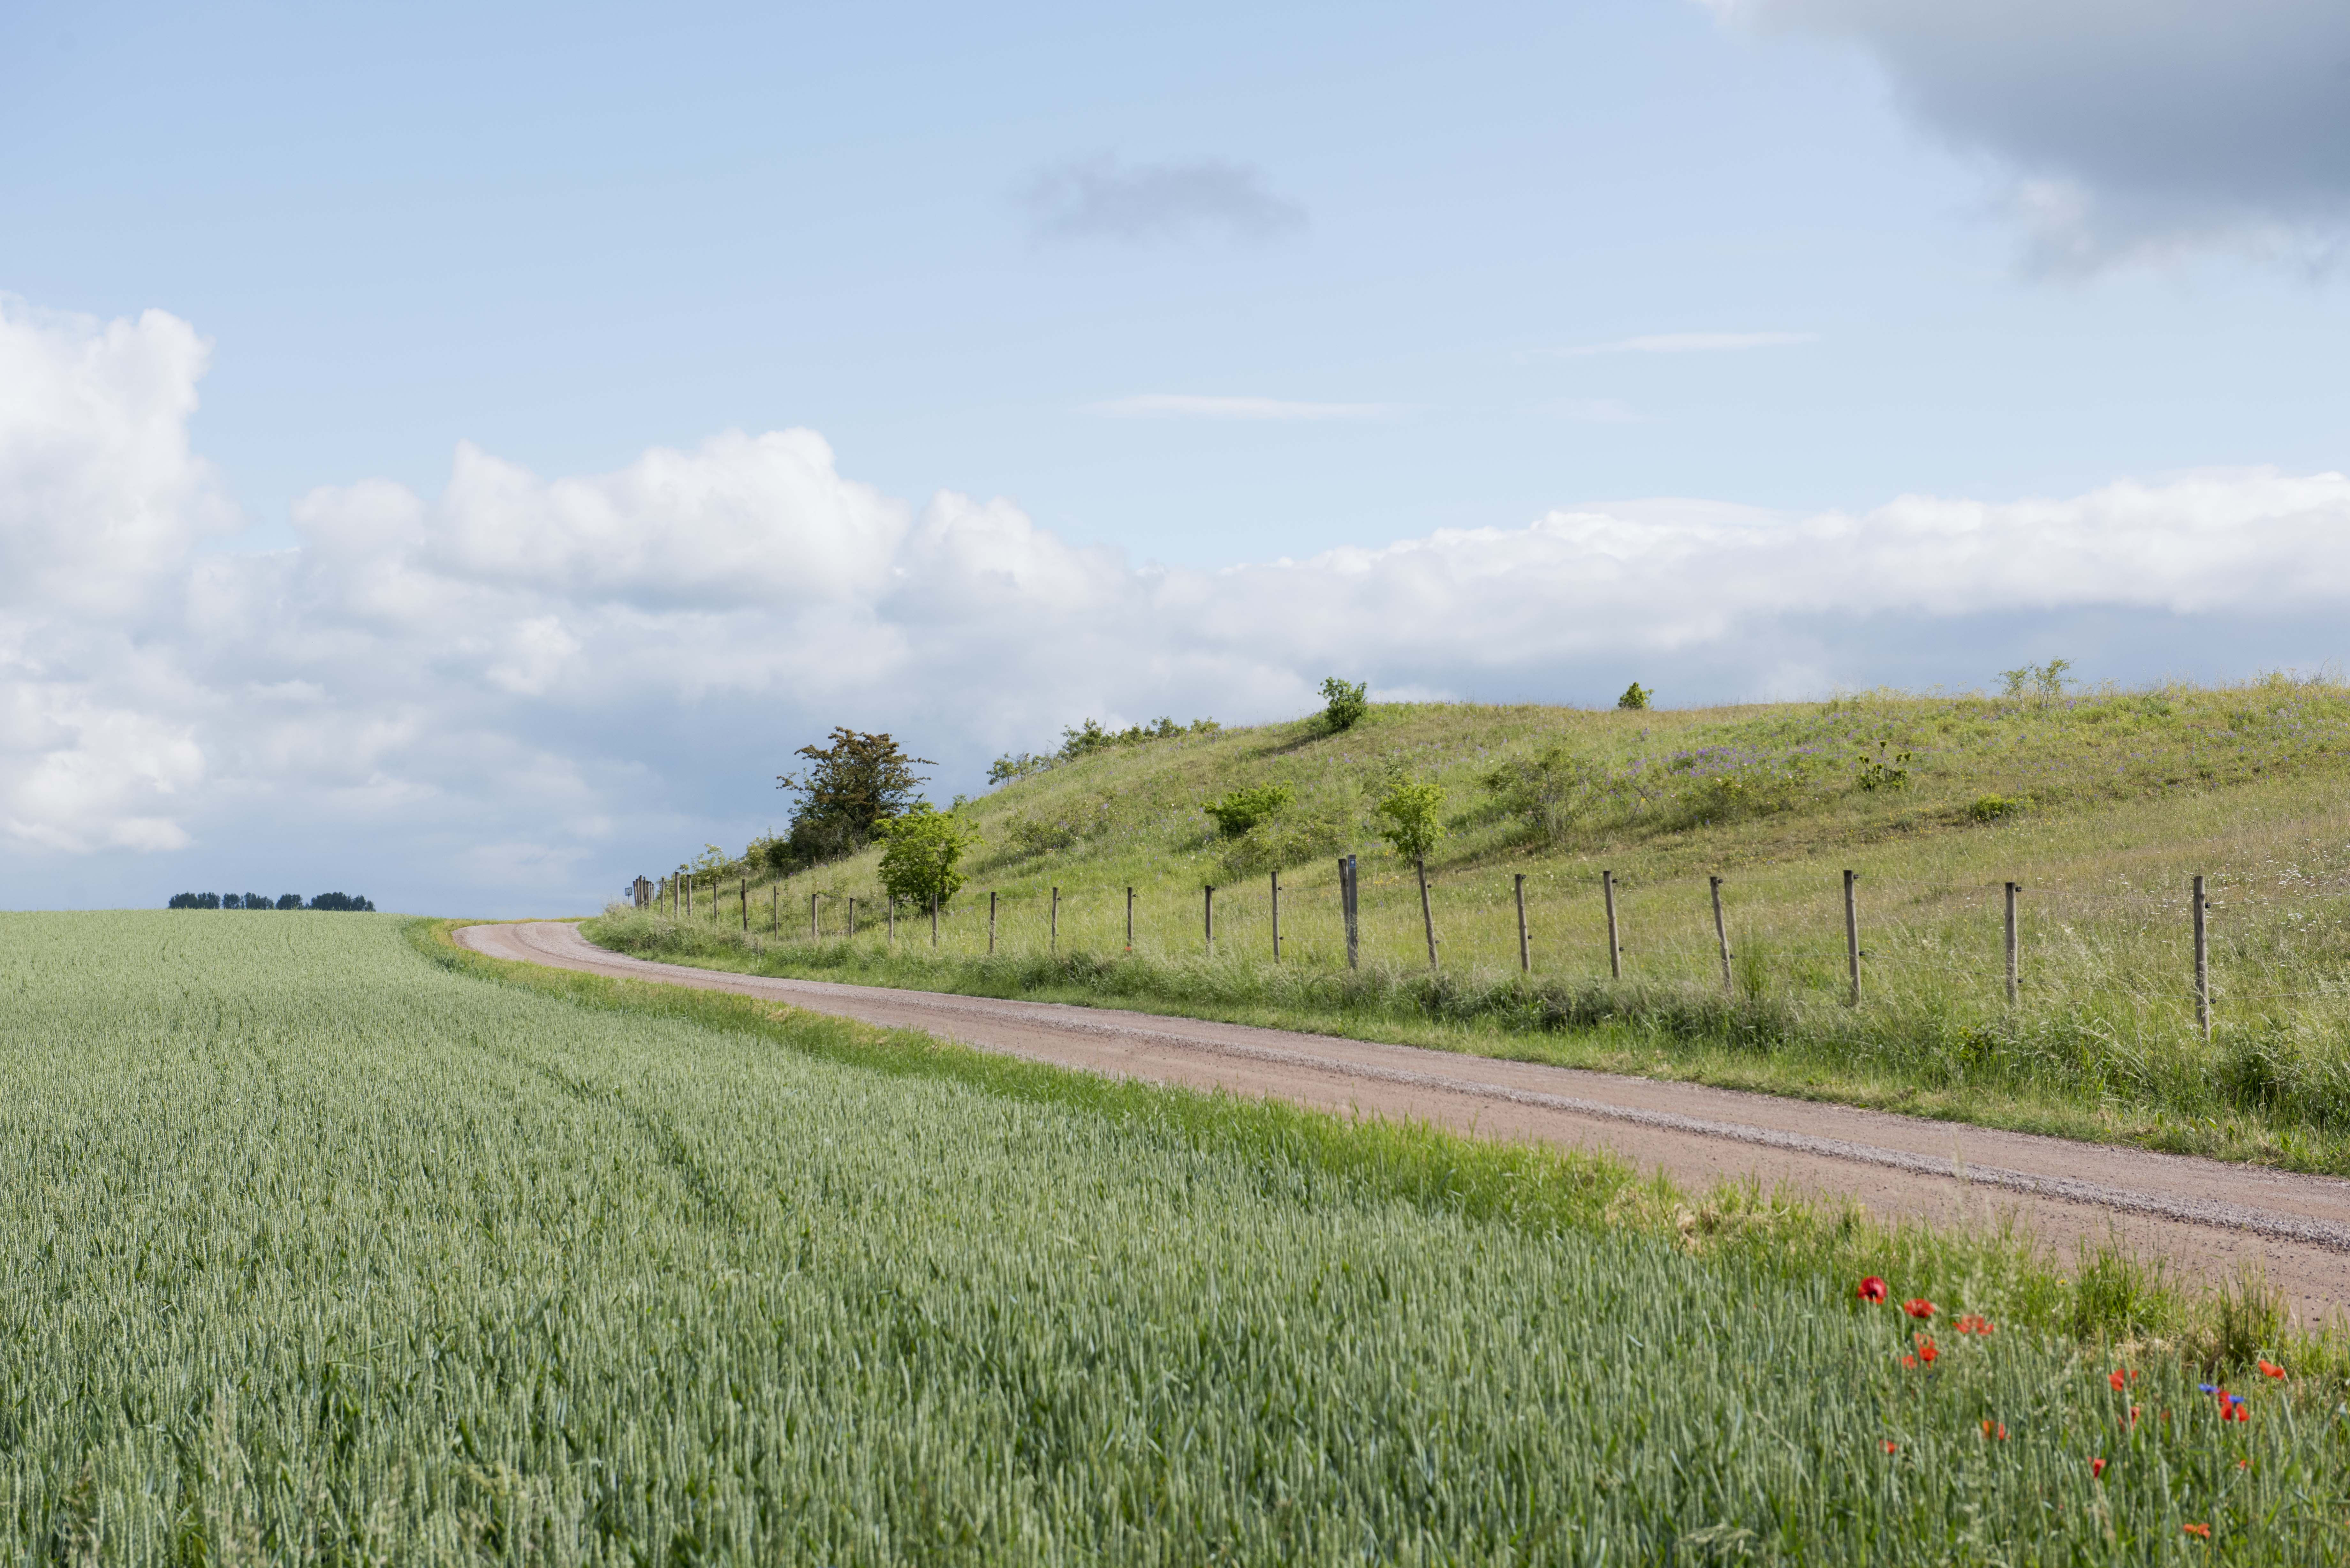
<point x="2271" y="1369"/>
<point x="2119" y="1377"/>
<point x="1889" y="1446"/>
<point x="1918" y="1306"/>
<point x="1992" y="1430"/>
<point x="2097" y="1469"/>
<point x="1908" y="1361"/>
<point x="1926" y="1352"/>
<point x="1872" y="1289"/>
<point x="2200" y="1532"/>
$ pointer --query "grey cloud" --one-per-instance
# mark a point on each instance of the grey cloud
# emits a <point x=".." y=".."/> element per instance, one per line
<point x="2131" y="128"/>
<point x="1102" y="199"/>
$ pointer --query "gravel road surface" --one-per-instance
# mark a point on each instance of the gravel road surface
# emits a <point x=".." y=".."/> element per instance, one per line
<point x="2207" y="1217"/>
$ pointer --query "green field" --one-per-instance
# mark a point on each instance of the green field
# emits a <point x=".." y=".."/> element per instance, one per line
<point x="327" y="1244"/>
<point x="2103" y="805"/>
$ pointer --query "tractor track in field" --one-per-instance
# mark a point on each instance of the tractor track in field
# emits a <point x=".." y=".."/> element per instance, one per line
<point x="2208" y="1219"/>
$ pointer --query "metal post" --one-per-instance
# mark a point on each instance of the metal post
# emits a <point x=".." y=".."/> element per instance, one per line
<point x="1852" y="935"/>
<point x="1615" y="940"/>
<point x="990" y="924"/>
<point x="2012" y="889"/>
<point x="1277" y="917"/>
<point x="1525" y="948"/>
<point x="1427" y="918"/>
<point x="1349" y="909"/>
<point x="2202" y="966"/>
<point x="1209" y="913"/>
<point x="1721" y="937"/>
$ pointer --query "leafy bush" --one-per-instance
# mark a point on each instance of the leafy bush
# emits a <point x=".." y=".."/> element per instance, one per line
<point x="2042" y="680"/>
<point x="1636" y="696"/>
<point x="1347" y="704"/>
<point x="920" y="850"/>
<point x="1553" y="792"/>
<point x="1993" y="807"/>
<point x="1413" y="812"/>
<point x="1243" y="809"/>
<point x="1288" y="840"/>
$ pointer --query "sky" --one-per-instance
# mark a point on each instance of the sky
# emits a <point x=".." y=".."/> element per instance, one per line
<point x="456" y="455"/>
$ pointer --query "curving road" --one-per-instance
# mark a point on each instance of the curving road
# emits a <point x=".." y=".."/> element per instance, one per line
<point x="2209" y="1219"/>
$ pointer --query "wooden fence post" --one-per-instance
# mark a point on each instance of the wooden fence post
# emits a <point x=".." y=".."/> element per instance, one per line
<point x="813" y="930"/>
<point x="746" y="905"/>
<point x="1208" y="913"/>
<point x="1852" y="935"/>
<point x="2202" y="966"/>
<point x="1277" y="917"/>
<point x="2012" y="889"/>
<point x="991" y="925"/>
<point x="776" y="911"/>
<point x="1615" y="940"/>
<point x="1129" y="920"/>
<point x="890" y="913"/>
<point x="1052" y="941"/>
<point x="1722" y="936"/>
<point x="852" y="917"/>
<point x="1349" y="909"/>
<point x="1525" y="948"/>
<point x="934" y="916"/>
<point x="1426" y="916"/>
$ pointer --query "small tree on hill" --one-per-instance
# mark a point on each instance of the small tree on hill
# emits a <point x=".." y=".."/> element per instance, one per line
<point x="920" y="850"/>
<point x="1635" y="696"/>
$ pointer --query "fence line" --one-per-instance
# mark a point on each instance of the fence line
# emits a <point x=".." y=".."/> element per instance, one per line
<point x="677" y="896"/>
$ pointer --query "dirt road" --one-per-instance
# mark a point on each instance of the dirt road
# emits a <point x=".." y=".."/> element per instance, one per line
<point x="2209" y="1219"/>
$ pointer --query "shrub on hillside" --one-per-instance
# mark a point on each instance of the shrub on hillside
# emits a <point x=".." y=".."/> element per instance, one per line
<point x="1553" y="792"/>
<point x="1346" y="704"/>
<point x="1243" y="809"/>
<point x="921" y="853"/>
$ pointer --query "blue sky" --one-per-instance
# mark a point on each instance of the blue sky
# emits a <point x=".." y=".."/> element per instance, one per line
<point x="1204" y="287"/>
<point x="570" y="232"/>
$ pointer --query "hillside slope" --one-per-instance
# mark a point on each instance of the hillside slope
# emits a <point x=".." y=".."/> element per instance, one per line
<point x="2102" y="806"/>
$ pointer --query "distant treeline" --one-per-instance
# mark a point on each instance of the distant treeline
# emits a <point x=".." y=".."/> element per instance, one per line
<point x="264" y="901"/>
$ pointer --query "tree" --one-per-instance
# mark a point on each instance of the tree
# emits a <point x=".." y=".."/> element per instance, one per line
<point x="1413" y="823"/>
<point x="289" y="900"/>
<point x="1636" y="696"/>
<point x="919" y="847"/>
<point x="847" y="791"/>
<point x="1347" y="704"/>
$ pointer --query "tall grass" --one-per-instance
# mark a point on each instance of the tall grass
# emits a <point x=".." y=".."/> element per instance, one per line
<point x="322" y="1252"/>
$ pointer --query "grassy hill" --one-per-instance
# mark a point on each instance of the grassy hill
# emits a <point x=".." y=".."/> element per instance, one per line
<point x="2101" y="805"/>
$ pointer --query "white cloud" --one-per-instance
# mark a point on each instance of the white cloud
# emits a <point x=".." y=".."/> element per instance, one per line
<point x="2129" y="129"/>
<point x="1689" y="343"/>
<point x="1177" y="405"/>
<point x="522" y="691"/>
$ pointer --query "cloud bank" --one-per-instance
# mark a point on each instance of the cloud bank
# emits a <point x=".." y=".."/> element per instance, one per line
<point x="518" y="693"/>
<point x="2130" y="128"/>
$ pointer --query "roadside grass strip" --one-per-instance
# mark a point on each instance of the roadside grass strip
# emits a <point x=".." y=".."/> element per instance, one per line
<point x="332" y="1243"/>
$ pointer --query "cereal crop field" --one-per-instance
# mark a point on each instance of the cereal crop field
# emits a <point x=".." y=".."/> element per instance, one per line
<point x="322" y="1250"/>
